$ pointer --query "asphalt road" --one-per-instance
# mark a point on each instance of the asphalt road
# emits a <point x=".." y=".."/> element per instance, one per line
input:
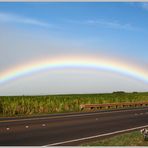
<point x="69" y="128"/>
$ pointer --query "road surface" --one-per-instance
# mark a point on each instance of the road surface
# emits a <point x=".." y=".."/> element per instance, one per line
<point x="69" y="128"/>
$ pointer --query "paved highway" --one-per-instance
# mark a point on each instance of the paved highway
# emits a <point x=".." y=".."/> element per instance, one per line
<point x="69" y="128"/>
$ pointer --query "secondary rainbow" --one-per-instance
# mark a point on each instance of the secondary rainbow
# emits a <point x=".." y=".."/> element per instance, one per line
<point x="74" y="62"/>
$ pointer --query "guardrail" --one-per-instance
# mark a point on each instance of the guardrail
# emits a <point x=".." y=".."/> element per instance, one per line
<point x="113" y="105"/>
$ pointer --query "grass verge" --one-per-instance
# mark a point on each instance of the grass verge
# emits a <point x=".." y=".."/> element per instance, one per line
<point x="134" y="138"/>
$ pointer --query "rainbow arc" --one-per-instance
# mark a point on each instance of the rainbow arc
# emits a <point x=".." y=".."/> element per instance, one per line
<point x="74" y="62"/>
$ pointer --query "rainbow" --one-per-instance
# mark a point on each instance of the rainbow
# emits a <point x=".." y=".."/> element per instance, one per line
<point x="74" y="62"/>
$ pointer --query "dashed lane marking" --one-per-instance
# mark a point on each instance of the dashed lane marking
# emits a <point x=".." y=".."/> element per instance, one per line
<point x="7" y="128"/>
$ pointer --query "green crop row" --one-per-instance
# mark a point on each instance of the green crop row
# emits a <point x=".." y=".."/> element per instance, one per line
<point x="29" y="105"/>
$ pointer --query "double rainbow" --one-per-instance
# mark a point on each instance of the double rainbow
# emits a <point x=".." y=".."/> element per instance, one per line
<point x="74" y="62"/>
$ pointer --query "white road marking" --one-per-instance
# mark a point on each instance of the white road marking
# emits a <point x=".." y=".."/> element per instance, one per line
<point x="97" y="136"/>
<point x="7" y="128"/>
<point x="67" y="116"/>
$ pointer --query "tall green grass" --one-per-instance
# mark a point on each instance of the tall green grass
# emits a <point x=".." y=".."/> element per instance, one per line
<point x="29" y="105"/>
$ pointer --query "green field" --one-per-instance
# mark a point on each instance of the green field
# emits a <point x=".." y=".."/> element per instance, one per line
<point x="128" y="139"/>
<point x="30" y="105"/>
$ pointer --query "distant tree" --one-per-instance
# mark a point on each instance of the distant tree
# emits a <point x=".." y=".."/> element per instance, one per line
<point x="118" y="92"/>
<point x="135" y="92"/>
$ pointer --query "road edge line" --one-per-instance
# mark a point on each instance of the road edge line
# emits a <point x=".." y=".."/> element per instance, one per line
<point x="97" y="136"/>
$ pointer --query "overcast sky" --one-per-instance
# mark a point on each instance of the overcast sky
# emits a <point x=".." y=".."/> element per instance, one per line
<point x="32" y="32"/>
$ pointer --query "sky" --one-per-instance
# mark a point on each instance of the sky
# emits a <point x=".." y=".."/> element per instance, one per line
<point x="71" y="48"/>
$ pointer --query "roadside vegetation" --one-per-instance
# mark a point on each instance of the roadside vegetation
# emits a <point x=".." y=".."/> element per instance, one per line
<point x="128" y="139"/>
<point x="31" y="105"/>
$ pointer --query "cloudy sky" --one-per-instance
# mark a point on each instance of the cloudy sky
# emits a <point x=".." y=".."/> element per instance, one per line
<point x="60" y="48"/>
